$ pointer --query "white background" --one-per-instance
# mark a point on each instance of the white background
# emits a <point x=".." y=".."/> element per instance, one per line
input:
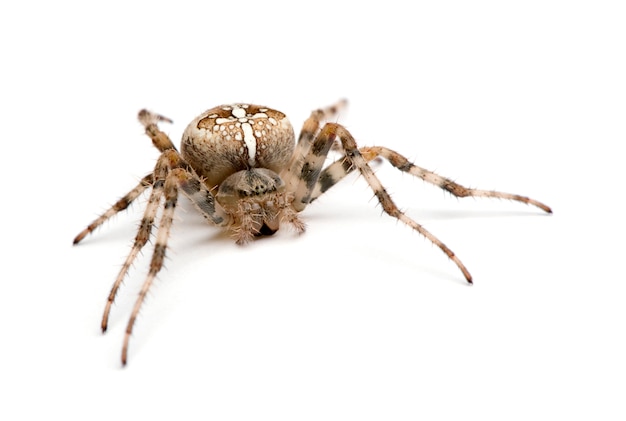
<point x="359" y="318"/>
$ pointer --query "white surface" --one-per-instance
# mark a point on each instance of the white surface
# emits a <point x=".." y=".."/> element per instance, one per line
<point x="359" y="318"/>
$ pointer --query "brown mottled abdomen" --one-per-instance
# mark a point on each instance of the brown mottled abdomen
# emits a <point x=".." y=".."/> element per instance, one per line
<point x="231" y="138"/>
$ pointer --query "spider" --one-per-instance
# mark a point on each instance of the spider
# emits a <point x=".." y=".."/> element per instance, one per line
<point x="240" y="166"/>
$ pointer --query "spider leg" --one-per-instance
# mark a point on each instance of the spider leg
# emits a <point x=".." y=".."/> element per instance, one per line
<point x="169" y="165"/>
<point x="339" y="169"/>
<point x="356" y="160"/>
<point x="171" y="197"/>
<point x="149" y="121"/>
<point x="162" y="142"/>
<point x="202" y="198"/>
<point x="119" y="206"/>
<point x="310" y="128"/>
<point x="143" y="234"/>
<point x="177" y="178"/>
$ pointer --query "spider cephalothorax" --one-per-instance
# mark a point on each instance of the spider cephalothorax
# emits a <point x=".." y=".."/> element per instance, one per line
<point x="256" y="201"/>
<point x="240" y="166"/>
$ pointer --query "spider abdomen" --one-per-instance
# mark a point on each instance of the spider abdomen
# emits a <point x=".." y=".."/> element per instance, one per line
<point x="231" y="138"/>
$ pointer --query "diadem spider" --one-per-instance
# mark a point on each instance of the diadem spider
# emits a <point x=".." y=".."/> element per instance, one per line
<point x="240" y="166"/>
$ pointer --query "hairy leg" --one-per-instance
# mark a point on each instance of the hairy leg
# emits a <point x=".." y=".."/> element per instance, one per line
<point x="162" y="142"/>
<point x="170" y="193"/>
<point x="356" y="160"/>
<point x="119" y="206"/>
<point x="292" y="173"/>
<point x="159" y="139"/>
<point x="339" y="169"/>
<point x="143" y="233"/>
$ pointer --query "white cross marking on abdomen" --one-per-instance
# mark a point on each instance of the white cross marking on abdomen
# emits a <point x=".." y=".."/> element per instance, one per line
<point x="250" y="140"/>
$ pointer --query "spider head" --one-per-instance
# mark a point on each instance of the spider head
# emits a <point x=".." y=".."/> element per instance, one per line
<point x="255" y="198"/>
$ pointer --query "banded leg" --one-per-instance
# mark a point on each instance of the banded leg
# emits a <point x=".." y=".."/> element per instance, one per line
<point x="149" y="120"/>
<point x="177" y="178"/>
<point x="171" y="197"/>
<point x="202" y="198"/>
<point x="339" y="169"/>
<point x="119" y="206"/>
<point x="169" y="163"/>
<point x="162" y="142"/>
<point x="143" y="234"/>
<point x="309" y="130"/>
<point x="356" y="160"/>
